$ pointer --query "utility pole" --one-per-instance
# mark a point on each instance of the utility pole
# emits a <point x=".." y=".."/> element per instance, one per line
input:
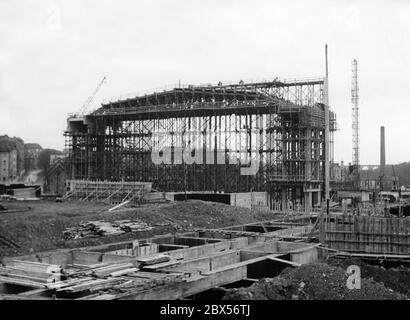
<point x="327" y="127"/>
<point x="382" y="158"/>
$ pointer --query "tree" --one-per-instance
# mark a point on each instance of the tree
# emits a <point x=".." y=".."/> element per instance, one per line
<point x="44" y="160"/>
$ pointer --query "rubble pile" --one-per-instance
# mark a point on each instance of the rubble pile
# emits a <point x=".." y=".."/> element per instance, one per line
<point x="95" y="229"/>
<point x="314" y="281"/>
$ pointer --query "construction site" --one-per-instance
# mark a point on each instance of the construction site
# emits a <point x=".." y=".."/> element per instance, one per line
<point x="209" y="192"/>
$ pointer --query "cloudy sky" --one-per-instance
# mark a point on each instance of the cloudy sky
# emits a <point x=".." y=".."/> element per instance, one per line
<point x="54" y="53"/>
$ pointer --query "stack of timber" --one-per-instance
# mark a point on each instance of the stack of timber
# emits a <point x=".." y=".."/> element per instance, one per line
<point x="113" y="270"/>
<point x="113" y="279"/>
<point x="91" y="229"/>
<point x="151" y="260"/>
<point x="28" y="273"/>
<point x="132" y="225"/>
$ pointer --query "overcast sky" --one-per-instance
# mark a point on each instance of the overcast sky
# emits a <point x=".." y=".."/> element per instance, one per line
<point x="54" y="53"/>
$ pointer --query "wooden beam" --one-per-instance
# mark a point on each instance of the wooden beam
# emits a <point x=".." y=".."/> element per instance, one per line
<point x="34" y="292"/>
<point x="291" y="263"/>
<point x="119" y="205"/>
<point x="22" y="282"/>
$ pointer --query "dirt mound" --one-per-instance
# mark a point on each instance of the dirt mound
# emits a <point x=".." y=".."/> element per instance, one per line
<point x="41" y="228"/>
<point x="397" y="279"/>
<point x="315" y="281"/>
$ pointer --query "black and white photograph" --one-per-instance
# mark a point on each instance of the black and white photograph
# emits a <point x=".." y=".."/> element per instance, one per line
<point x="204" y="154"/>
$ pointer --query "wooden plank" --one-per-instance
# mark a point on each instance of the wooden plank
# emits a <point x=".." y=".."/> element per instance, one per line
<point x="39" y="276"/>
<point x="123" y="272"/>
<point x="103" y="271"/>
<point x="105" y="296"/>
<point x="291" y="263"/>
<point x="117" y="282"/>
<point x="119" y="205"/>
<point x="30" y="278"/>
<point x="148" y="275"/>
<point x="161" y="265"/>
<point x="34" y="266"/>
<point x="67" y="283"/>
<point x="22" y="282"/>
<point x="150" y="260"/>
<point x="87" y="285"/>
<point x="33" y="292"/>
<point x="4" y="296"/>
<point x="343" y="235"/>
<point x="193" y="284"/>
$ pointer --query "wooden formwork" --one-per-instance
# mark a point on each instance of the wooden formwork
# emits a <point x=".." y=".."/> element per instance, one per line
<point x="172" y="266"/>
<point x="112" y="192"/>
<point x="366" y="234"/>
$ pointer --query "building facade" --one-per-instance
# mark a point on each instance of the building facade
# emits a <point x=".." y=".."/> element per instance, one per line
<point x="8" y="166"/>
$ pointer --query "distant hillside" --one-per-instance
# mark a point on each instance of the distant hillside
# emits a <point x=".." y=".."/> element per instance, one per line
<point x="401" y="170"/>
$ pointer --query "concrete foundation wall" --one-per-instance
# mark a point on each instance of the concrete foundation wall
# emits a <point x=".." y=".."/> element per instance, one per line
<point x="304" y="256"/>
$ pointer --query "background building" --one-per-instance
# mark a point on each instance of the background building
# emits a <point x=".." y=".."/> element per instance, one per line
<point x="8" y="165"/>
<point x="11" y="158"/>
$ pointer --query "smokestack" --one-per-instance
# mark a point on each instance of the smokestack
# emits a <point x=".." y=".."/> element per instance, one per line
<point x="382" y="156"/>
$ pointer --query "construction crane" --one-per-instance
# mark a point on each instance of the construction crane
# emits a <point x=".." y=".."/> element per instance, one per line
<point x="90" y="99"/>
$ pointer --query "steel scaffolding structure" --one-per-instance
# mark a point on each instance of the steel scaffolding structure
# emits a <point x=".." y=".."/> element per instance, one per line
<point x="355" y="114"/>
<point x="205" y="138"/>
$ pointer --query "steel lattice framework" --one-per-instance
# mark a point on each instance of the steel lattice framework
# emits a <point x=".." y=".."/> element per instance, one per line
<point x="355" y="114"/>
<point x="278" y="124"/>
